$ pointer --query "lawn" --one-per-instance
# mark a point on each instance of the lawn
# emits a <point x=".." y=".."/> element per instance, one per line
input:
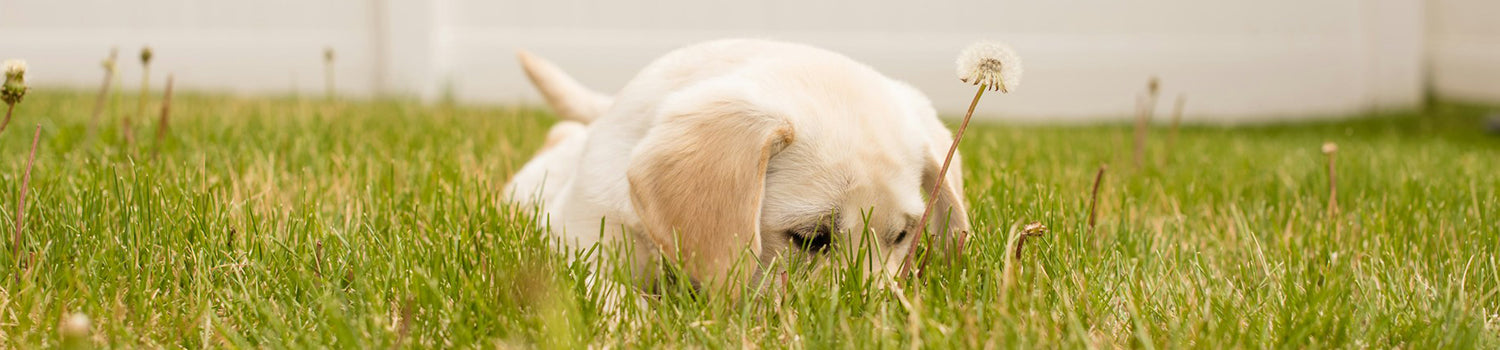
<point x="288" y="222"/>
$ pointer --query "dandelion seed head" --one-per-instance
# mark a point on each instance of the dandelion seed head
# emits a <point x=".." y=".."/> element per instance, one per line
<point x="15" y="82"/>
<point x="76" y="325"/>
<point x="15" y="69"/>
<point x="991" y="64"/>
<point x="1034" y="229"/>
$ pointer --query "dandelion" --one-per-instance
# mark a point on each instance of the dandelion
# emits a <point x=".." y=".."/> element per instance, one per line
<point x="990" y="65"/>
<point x="1330" y="147"/>
<point x="14" y="89"/>
<point x="75" y="325"/>
<point x="1014" y="247"/>
<point x="15" y="80"/>
<point x="75" y="329"/>
<point x="1034" y="229"/>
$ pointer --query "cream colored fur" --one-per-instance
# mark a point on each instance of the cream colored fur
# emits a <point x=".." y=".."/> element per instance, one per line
<point x="717" y="154"/>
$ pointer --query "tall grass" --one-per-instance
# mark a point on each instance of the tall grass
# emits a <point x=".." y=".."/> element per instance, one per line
<point x="1227" y="245"/>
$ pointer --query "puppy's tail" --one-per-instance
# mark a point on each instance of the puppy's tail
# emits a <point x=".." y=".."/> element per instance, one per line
<point x="567" y="97"/>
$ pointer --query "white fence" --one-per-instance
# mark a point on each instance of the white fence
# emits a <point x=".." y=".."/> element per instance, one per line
<point x="1086" y="59"/>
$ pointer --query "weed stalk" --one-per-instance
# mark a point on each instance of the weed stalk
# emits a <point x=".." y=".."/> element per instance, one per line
<point x="140" y="109"/>
<point x="1329" y="149"/>
<point x="328" y="88"/>
<point x="1176" y="121"/>
<point x="99" y="102"/>
<point x="1094" y="197"/>
<point x="21" y="203"/>
<point x="1142" y="117"/>
<point x="161" y="124"/>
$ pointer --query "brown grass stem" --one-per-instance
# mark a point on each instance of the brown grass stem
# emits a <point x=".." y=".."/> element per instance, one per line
<point x="318" y="258"/>
<point x="1176" y="121"/>
<point x="1143" y="116"/>
<point x="161" y="124"/>
<point x="1330" y="149"/>
<point x="1094" y="197"/>
<point x="21" y="202"/>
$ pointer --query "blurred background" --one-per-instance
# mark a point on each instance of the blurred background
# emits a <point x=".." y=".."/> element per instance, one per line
<point x="1086" y="60"/>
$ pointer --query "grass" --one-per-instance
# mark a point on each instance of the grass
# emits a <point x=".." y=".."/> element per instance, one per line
<point x="301" y="223"/>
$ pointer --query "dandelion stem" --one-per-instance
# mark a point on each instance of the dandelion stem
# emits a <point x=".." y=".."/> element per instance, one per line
<point x="140" y="109"/>
<point x="8" y="111"/>
<point x="906" y="265"/>
<point x="21" y="203"/>
<point x="109" y="76"/>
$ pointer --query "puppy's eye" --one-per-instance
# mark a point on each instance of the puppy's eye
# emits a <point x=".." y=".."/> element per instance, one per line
<point x="823" y="230"/>
<point x="816" y="240"/>
<point x="900" y="237"/>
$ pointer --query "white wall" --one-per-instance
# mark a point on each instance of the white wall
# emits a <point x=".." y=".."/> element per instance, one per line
<point x="263" y="46"/>
<point x="1464" y="49"/>
<point x="1086" y="59"/>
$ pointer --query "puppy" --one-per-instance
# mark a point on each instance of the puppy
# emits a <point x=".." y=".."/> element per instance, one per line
<point x="727" y="155"/>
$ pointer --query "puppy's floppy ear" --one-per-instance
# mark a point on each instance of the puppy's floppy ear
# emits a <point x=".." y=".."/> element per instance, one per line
<point x="950" y="213"/>
<point x="567" y="97"/>
<point x="698" y="178"/>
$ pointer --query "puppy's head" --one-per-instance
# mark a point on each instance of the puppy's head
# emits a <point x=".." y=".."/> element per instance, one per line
<point x="735" y="172"/>
<point x="859" y="179"/>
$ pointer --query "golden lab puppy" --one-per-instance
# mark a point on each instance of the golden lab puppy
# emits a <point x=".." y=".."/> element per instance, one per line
<point x="741" y="150"/>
